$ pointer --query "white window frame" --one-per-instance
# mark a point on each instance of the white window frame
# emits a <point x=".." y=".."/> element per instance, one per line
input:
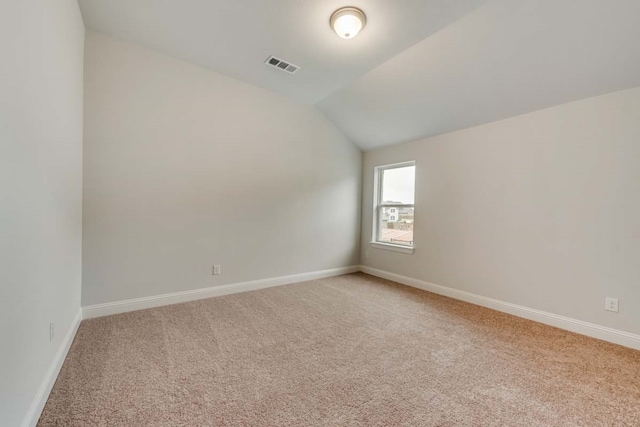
<point x="378" y="206"/>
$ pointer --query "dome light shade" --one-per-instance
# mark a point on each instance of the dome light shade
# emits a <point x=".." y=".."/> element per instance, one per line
<point x="347" y="22"/>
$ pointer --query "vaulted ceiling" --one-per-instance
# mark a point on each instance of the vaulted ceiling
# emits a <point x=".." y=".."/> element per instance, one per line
<point x="419" y="68"/>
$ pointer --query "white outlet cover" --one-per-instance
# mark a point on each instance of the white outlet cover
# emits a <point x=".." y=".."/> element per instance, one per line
<point x="611" y="304"/>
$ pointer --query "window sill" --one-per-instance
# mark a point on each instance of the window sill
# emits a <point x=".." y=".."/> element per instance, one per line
<point x="394" y="248"/>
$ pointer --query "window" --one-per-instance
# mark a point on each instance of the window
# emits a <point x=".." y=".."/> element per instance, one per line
<point x="394" y="207"/>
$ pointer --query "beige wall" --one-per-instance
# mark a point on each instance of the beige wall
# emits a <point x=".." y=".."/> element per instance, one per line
<point x="186" y="168"/>
<point x="41" y="45"/>
<point x="540" y="210"/>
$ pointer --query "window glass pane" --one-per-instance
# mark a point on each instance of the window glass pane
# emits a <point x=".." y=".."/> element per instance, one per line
<point x="396" y="225"/>
<point x="398" y="185"/>
<point x="396" y="222"/>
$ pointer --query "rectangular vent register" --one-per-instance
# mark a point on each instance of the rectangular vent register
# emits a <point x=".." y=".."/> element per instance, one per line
<point x="282" y="65"/>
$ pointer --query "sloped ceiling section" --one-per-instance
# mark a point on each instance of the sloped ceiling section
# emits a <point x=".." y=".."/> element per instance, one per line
<point x="419" y="68"/>
<point x="235" y="37"/>
<point x="504" y="59"/>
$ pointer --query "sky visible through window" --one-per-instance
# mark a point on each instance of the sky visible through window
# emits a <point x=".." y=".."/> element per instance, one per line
<point x="398" y="185"/>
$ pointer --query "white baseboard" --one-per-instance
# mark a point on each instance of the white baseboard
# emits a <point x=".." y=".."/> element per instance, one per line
<point x="117" y="307"/>
<point x="31" y="419"/>
<point x="584" y="328"/>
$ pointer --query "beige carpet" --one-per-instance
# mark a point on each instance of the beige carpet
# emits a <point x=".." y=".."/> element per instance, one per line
<point x="351" y="350"/>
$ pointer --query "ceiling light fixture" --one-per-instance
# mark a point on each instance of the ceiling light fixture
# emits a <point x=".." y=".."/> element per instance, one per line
<point x="347" y="22"/>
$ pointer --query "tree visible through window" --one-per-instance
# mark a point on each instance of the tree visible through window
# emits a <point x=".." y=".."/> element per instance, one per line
<point x="395" y="210"/>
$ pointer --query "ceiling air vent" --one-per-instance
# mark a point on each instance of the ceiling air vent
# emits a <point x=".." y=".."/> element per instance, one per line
<point x="282" y="65"/>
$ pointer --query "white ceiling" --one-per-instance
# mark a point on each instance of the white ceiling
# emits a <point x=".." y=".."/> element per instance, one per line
<point x="419" y="68"/>
<point x="506" y="58"/>
<point x="235" y="37"/>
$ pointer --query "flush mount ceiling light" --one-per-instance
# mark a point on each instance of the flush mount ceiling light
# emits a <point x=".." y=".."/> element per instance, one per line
<point x="347" y="22"/>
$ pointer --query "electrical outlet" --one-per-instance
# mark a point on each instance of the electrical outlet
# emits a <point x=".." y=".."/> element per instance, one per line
<point x="366" y="254"/>
<point x="216" y="269"/>
<point x="611" y="304"/>
<point x="52" y="331"/>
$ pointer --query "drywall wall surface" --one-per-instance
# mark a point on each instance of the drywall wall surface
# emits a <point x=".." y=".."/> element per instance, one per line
<point x="540" y="210"/>
<point x="185" y="168"/>
<point x="41" y="72"/>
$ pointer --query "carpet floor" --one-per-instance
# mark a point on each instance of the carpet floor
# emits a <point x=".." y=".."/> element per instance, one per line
<point x="353" y="350"/>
